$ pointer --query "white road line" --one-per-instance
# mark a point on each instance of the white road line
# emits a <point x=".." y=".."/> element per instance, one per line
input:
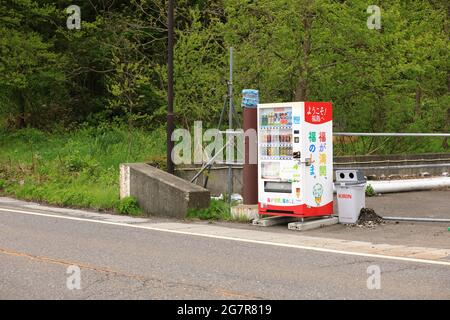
<point x="286" y="245"/>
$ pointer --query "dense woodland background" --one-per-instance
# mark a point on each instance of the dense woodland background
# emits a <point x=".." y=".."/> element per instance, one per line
<point x="114" y="68"/>
<point x="76" y="103"/>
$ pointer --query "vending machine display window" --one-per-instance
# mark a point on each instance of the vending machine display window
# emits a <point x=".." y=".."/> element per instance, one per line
<point x="275" y="133"/>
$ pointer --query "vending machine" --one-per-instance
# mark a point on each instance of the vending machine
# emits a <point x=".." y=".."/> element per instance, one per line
<point x="295" y="159"/>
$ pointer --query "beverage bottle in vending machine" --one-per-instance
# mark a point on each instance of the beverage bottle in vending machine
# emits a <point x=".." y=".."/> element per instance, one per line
<point x="289" y="117"/>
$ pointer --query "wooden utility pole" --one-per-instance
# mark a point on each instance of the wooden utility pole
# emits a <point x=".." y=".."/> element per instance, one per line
<point x="170" y="123"/>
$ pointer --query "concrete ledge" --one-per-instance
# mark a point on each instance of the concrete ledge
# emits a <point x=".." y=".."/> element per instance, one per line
<point x="312" y="224"/>
<point x="160" y="193"/>
<point x="273" y="221"/>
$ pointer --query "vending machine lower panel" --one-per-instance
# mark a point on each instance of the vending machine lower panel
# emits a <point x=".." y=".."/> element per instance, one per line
<point x="295" y="211"/>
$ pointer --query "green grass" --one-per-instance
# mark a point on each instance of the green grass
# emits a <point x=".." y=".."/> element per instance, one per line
<point x="81" y="168"/>
<point x="78" y="168"/>
<point x="130" y="206"/>
<point x="217" y="210"/>
<point x="370" y="192"/>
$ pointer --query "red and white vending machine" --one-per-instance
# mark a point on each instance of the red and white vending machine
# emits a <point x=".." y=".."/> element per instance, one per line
<point x="295" y="159"/>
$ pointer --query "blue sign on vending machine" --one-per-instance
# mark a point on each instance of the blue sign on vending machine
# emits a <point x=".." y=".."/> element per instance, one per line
<point x="250" y="98"/>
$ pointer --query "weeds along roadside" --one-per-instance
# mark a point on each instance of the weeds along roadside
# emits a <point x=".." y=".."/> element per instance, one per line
<point x="77" y="168"/>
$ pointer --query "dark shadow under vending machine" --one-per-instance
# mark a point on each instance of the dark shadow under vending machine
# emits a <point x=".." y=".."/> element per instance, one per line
<point x="295" y="159"/>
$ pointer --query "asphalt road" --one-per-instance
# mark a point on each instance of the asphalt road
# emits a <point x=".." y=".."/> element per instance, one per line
<point x="119" y="262"/>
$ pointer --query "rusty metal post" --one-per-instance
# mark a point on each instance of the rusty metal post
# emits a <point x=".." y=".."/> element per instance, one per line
<point x="250" y="173"/>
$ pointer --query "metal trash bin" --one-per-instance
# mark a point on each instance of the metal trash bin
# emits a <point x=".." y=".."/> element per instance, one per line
<point x="351" y="194"/>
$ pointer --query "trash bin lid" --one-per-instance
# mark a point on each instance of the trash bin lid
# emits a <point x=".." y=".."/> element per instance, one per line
<point x="350" y="176"/>
<point x="350" y="184"/>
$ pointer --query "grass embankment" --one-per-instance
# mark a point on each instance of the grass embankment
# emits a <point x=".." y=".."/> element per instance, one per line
<point x="78" y="168"/>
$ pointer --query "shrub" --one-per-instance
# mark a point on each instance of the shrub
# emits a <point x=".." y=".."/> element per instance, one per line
<point x="129" y="205"/>
<point x="217" y="210"/>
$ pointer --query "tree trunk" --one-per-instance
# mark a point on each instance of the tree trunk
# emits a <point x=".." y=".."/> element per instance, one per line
<point x="301" y="90"/>
<point x="20" y="120"/>
<point x="418" y="106"/>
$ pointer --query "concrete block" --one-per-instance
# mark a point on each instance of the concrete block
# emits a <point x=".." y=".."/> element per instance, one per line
<point x="160" y="193"/>
<point x="312" y="224"/>
<point x="272" y="221"/>
<point x="245" y="211"/>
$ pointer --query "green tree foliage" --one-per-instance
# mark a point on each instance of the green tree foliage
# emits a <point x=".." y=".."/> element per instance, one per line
<point x="200" y="63"/>
<point x="114" y="69"/>
<point x="394" y="79"/>
<point x="31" y="77"/>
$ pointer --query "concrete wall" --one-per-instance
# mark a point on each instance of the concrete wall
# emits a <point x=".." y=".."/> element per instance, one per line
<point x="371" y="165"/>
<point x="160" y="193"/>
<point x="397" y="165"/>
<point x="218" y="177"/>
